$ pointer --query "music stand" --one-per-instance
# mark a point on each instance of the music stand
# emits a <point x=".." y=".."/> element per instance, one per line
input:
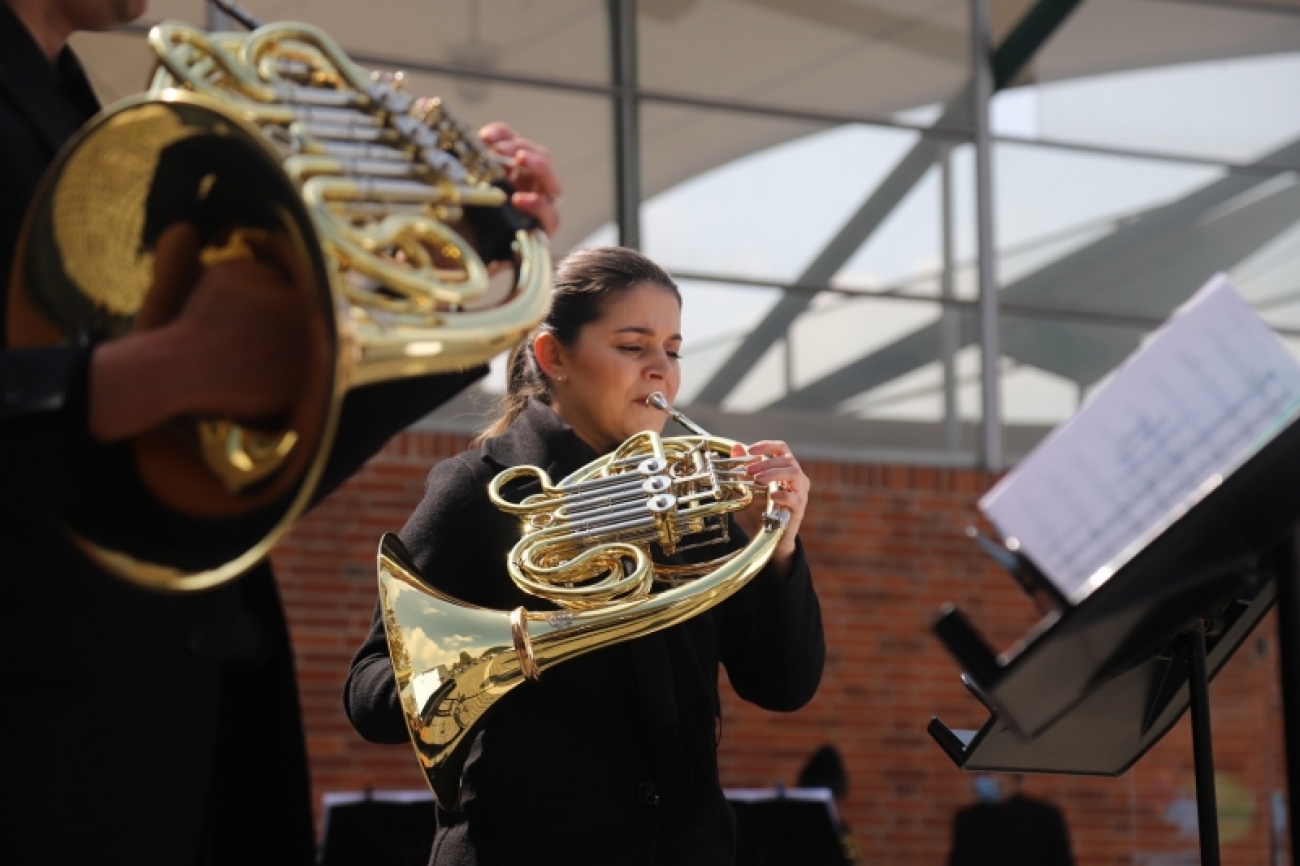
<point x="786" y="827"/>
<point x="380" y="828"/>
<point x="1103" y="677"/>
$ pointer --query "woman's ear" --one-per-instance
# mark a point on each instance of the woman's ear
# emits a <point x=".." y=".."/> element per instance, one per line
<point x="550" y="356"/>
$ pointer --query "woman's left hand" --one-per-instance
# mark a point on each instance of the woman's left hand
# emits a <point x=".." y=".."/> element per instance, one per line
<point x="776" y="464"/>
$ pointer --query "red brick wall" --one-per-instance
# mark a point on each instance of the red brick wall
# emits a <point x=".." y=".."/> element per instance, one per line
<point x="887" y="549"/>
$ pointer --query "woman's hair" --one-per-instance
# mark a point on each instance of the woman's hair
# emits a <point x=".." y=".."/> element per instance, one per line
<point x="584" y="282"/>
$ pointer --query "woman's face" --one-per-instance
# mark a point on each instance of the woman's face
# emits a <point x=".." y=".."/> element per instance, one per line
<point x="600" y="383"/>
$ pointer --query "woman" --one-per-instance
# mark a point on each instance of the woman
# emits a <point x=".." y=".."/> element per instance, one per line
<point x="611" y="757"/>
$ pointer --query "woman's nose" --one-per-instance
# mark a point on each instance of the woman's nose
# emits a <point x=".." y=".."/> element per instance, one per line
<point x="657" y="367"/>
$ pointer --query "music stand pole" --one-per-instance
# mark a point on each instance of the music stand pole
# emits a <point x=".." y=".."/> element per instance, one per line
<point x="1288" y="632"/>
<point x="1207" y="811"/>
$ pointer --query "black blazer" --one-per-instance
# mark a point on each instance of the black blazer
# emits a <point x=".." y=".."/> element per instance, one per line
<point x="134" y="727"/>
<point x="569" y="766"/>
<point x="1019" y="831"/>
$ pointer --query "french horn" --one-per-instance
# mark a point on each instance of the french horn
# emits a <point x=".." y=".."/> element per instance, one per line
<point x="586" y="546"/>
<point x="274" y="135"/>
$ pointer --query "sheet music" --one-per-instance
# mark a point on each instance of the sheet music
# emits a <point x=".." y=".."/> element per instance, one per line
<point x="1204" y="393"/>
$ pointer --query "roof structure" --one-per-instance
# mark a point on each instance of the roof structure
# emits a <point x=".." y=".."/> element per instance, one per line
<point x="793" y="157"/>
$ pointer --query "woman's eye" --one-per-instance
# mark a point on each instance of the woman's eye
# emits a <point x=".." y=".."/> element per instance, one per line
<point x="675" y="354"/>
<point x="636" y="349"/>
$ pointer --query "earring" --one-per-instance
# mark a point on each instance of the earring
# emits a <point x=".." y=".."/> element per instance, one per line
<point x="559" y="378"/>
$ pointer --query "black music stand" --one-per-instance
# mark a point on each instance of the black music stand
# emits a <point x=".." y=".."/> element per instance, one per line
<point x="787" y="828"/>
<point x="378" y="830"/>
<point x="1096" y="684"/>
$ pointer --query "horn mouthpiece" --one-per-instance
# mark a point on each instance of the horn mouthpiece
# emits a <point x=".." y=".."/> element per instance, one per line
<point x="657" y="400"/>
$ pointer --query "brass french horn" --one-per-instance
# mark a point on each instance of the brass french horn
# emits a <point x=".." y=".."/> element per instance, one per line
<point x="271" y="133"/>
<point x="586" y="547"/>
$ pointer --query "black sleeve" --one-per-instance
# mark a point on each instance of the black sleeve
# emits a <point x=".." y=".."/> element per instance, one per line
<point x="960" y="854"/>
<point x="441" y="537"/>
<point x="44" y="438"/>
<point x="37" y="380"/>
<point x="370" y="692"/>
<point x="771" y="637"/>
<point x="1060" y="853"/>
<point x="373" y="414"/>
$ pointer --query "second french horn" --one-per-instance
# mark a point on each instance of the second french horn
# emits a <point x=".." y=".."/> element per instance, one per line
<point x="587" y="547"/>
<point x="271" y="136"/>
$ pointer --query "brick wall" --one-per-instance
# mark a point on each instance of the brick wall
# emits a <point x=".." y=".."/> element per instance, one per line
<point x="887" y="549"/>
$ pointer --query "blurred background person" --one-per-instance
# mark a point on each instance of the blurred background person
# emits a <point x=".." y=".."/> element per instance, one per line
<point x="1008" y="829"/>
<point x="825" y="769"/>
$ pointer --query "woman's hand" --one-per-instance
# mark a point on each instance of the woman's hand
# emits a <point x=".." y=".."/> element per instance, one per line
<point x="776" y="464"/>
<point x="537" y="188"/>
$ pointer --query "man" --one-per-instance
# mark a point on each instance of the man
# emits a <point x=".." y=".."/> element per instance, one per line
<point x="140" y="727"/>
<point x="1008" y="831"/>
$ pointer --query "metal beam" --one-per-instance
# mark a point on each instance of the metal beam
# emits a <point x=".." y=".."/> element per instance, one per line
<point x="949" y="334"/>
<point x="986" y="261"/>
<point x="1032" y="31"/>
<point x="1022" y="43"/>
<point x="627" y="123"/>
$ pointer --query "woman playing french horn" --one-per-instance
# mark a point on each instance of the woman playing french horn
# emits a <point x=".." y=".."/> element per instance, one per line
<point x="609" y="757"/>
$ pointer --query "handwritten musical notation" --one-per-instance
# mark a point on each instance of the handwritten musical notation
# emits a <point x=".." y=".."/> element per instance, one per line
<point x="1206" y="391"/>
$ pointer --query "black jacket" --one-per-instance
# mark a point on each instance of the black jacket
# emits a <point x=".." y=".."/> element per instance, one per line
<point x="134" y="727"/>
<point x="1019" y="831"/>
<point x="575" y="767"/>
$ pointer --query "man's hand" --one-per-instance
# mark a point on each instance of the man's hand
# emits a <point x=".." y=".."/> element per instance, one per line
<point x="240" y="346"/>
<point x="537" y="188"/>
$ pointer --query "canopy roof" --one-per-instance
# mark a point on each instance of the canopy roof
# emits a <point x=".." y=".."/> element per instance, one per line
<point x="847" y="59"/>
<point x="744" y="93"/>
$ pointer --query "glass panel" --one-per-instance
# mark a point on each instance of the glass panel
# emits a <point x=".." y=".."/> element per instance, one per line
<point x="1121" y="234"/>
<point x="760" y="197"/>
<point x="742" y="207"/>
<point x="872" y="59"/>
<point x="1270" y="277"/>
<point x="1189" y="78"/>
<point x="118" y="63"/>
<point x="905" y="255"/>
<point x="565" y="39"/>
<point x="1117" y="244"/>
<point x="193" y="11"/>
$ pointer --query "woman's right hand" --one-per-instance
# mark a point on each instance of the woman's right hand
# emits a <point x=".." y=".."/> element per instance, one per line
<point x="775" y="465"/>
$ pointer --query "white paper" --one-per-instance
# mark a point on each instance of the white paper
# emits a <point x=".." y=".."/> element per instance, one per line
<point x="1205" y="392"/>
